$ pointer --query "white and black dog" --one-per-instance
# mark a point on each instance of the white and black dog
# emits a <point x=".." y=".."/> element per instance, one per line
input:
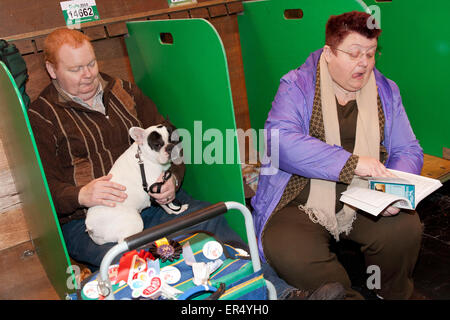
<point x="141" y="164"/>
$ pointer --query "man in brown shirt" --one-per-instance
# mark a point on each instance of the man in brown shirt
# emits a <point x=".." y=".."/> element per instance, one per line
<point x="80" y="123"/>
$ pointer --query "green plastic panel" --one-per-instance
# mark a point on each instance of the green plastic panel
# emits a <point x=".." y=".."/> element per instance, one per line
<point x="415" y="47"/>
<point x="272" y="44"/>
<point x="31" y="184"/>
<point x="187" y="77"/>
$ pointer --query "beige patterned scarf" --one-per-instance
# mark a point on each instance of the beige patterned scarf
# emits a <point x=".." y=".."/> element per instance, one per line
<point x="321" y="201"/>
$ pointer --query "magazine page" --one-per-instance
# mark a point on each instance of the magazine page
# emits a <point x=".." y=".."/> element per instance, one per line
<point x="371" y="201"/>
<point x="424" y="186"/>
<point x="375" y="201"/>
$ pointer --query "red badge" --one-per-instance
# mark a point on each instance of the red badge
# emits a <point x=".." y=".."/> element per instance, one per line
<point x="153" y="289"/>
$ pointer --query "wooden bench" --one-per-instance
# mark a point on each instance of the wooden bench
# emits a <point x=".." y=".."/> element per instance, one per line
<point x="436" y="167"/>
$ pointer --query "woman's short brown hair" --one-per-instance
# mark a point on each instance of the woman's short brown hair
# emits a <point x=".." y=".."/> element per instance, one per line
<point x="56" y="39"/>
<point x="338" y="27"/>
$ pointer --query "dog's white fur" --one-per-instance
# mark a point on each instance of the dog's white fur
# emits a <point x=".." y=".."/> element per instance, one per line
<point x="113" y="224"/>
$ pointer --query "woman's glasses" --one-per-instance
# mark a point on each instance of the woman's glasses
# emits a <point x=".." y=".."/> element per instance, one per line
<point x="358" y="54"/>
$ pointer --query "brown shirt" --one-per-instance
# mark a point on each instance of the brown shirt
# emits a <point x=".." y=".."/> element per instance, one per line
<point x="77" y="144"/>
<point x="347" y="117"/>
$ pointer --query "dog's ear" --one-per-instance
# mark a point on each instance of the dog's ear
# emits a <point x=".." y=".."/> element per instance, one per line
<point x="137" y="134"/>
<point x="170" y="128"/>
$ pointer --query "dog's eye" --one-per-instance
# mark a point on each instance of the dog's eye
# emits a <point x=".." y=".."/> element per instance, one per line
<point x="155" y="141"/>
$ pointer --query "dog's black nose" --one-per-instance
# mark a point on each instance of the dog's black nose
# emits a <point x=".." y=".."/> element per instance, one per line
<point x="169" y="147"/>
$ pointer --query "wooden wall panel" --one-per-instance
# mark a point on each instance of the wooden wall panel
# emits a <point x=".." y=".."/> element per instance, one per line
<point x="227" y="27"/>
<point x="28" y="16"/>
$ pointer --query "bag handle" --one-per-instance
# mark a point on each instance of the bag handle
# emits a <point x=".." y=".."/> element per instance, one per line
<point x="216" y="292"/>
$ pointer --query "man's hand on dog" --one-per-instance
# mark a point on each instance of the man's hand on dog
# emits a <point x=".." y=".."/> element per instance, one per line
<point x="167" y="193"/>
<point x="102" y="191"/>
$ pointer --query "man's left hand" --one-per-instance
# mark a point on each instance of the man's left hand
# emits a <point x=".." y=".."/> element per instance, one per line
<point x="167" y="194"/>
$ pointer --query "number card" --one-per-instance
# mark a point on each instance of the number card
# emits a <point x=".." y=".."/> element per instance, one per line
<point x="79" y="11"/>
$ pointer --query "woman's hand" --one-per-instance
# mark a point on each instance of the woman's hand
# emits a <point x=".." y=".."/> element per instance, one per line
<point x="102" y="191"/>
<point x="371" y="167"/>
<point x="390" y="211"/>
<point x="167" y="194"/>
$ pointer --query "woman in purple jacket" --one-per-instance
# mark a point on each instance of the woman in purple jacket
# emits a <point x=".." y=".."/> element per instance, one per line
<point x="337" y="117"/>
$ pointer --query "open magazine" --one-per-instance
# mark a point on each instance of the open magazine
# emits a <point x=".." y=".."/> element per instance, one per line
<point x="404" y="192"/>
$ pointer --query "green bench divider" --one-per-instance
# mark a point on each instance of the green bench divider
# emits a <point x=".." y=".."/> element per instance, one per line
<point x="415" y="47"/>
<point x="181" y="65"/>
<point x="274" y="42"/>
<point x="31" y="184"/>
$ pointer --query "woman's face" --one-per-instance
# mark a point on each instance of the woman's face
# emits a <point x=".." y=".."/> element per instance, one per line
<point x="353" y="62"/>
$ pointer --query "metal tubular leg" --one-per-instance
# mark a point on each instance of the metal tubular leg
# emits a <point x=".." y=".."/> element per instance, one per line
<point x="252" y="244"/>
<point x="272" y="292"/>
<point x="250" y="232"/>
<point x="104" y="284"/>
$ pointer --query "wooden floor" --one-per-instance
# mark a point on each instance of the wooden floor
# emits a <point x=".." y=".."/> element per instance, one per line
<point x="22" y="277"/>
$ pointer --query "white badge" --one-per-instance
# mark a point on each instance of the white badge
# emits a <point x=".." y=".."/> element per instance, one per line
<point x="170" y="274"/>
<point x="90" y="290"/>
<point x="212" y="250"/>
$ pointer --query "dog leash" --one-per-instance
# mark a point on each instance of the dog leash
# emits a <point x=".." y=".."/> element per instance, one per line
<point x="141" y="167"/>
<point x="175" y="205"/>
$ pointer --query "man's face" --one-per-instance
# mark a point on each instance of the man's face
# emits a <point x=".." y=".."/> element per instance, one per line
<point x="76" y="71"/>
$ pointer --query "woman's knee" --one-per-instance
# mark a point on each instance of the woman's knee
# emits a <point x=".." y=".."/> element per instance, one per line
<point x="398" y="234"/>
<point x="413" y="230"/>
<point x="303" y="263"/>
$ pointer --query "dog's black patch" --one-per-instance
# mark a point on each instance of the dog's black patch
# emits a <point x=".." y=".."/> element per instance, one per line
<point x="155" y="141"/>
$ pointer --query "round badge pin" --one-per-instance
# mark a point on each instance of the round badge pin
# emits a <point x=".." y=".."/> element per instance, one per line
<point x="143" y="276"/>
<point x="151" y="272"/>
<point x="136" y="293"/>
<point x="90" y="290"/>
<point x="170" y="274"/>
<point x="212" y="250"/>
<point x="112" y="273"/>
<point x="137" y="284"/>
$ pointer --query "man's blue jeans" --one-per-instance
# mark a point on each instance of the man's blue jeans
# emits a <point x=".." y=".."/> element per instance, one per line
<point x="81" y="247"/>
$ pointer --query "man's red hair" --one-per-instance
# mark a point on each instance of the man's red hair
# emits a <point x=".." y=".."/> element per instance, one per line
<point x="58" y="38"/>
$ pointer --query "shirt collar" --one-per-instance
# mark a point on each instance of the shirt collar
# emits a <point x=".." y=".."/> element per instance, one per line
<point x="64" y="96"/>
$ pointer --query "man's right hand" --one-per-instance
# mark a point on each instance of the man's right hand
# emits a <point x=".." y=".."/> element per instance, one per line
<point x="102" y="191"/>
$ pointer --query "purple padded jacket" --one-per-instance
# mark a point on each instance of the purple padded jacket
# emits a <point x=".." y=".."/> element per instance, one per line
<point x="309" y="157"/>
